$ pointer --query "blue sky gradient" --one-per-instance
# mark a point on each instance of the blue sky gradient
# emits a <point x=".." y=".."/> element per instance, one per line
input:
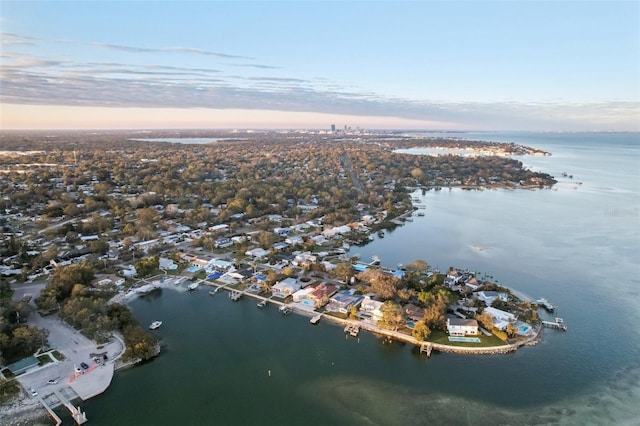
<point x="507" y="65"/>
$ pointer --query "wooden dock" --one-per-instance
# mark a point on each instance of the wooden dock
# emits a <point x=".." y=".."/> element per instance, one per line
<point x="558" y="324"/>
<point x="426" y="348"/>
<point x="352" y="330"/>
<point x="546" y="305"/>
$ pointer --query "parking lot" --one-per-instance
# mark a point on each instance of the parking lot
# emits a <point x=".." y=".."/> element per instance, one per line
<point x="77" y="349"/>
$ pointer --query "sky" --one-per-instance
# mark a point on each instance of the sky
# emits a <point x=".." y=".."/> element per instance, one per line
<point x="450" y="65"/>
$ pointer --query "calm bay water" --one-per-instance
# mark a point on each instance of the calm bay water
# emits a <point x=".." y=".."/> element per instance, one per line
<point x="577" y="245"/>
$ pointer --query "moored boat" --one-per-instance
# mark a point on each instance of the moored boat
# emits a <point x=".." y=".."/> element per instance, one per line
<point x="285" y="309"/>
<point x="155" y="325"/>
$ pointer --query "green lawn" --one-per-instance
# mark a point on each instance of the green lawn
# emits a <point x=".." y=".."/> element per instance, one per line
<point x="441" y="337"/>
<point x="44" y="359"/>
<point x="58" y="356"/>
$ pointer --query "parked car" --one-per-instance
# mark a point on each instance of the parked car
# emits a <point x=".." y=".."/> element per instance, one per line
<point x="52" y="381"/>
<point x="84" y="365"/>
<point x="33" y="392"/>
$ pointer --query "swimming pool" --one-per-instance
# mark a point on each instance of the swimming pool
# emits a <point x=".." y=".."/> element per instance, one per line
<point x="464" y="339"/>
<point x="524" y="329"/>
<point x="193" y="269"/>
<point x="411" y="324"/>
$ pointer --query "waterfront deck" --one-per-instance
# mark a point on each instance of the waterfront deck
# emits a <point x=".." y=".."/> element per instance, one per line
<point x="352" y="330"/>
<point x="558" y="324"/>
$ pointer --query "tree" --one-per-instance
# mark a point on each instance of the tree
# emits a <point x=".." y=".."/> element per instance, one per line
<point x="485" y="319"/>
<point x="435" y="312"/>
<point x="343" y="271"/>
<point x="147" y="266"/>
<point x="139" y="344"/>
<point x="512" y="330"/>
<point x="353" y="312"/>
<point x="420" y="331"/>
<point x="99" y="247"/>
<point x="382" y="284"/>
<point x="393" y="316"/>
<point x="417" y="266"/>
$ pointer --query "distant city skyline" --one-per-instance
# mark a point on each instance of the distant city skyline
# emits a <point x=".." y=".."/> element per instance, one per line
<point x="504" y="65"/>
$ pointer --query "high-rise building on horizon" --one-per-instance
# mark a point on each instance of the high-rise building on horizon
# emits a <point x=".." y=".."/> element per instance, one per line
<point x="333" y="128"/>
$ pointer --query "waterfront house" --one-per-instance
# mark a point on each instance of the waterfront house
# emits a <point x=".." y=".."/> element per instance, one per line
<point x="285" y="287"/>
<point x="322" y="290"/>
<point x="218" y="265"/>
<point x="342" y="301"/>
<point x="372" y="309"/>
<point x="414" y="313"/>
<point x="199" y="263"/>
<point x="302" y="294"/>
<point x="487" y="297"/>
<point x="129" y="271"/>
<point x="462" y="327"/>
<point x="501" y="319"/>
<point x="166" y="263"/>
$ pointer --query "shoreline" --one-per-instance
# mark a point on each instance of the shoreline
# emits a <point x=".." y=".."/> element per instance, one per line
<point x="395" y="335"/>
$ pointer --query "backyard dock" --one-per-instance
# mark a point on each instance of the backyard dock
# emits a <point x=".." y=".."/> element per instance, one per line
<point x="235" y="295"/>
<point x="546" y="305"/>
<point x="353" y="330"/>
<point x="426" y="348"/>
<point x="558" y="324"/>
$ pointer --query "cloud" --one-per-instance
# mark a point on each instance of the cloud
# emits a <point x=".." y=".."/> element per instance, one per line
<point x="33" y="80"/>
<point x="10" y="39"/>
<point x="259" y="66"/>
<point x="187" y="50"/>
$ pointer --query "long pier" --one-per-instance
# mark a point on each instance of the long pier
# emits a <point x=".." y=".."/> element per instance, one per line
<point x="52" y="413"/>
<point x="77" y="414"/>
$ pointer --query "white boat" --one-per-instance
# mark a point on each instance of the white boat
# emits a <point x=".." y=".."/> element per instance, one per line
<point x="546" y="305"/>
<point x="192" y="286"/>
<point x="155" y="325"/>
<point x="315" y="319"/>
<point x="262" y="304"/>
<point x="285" y="309"/>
